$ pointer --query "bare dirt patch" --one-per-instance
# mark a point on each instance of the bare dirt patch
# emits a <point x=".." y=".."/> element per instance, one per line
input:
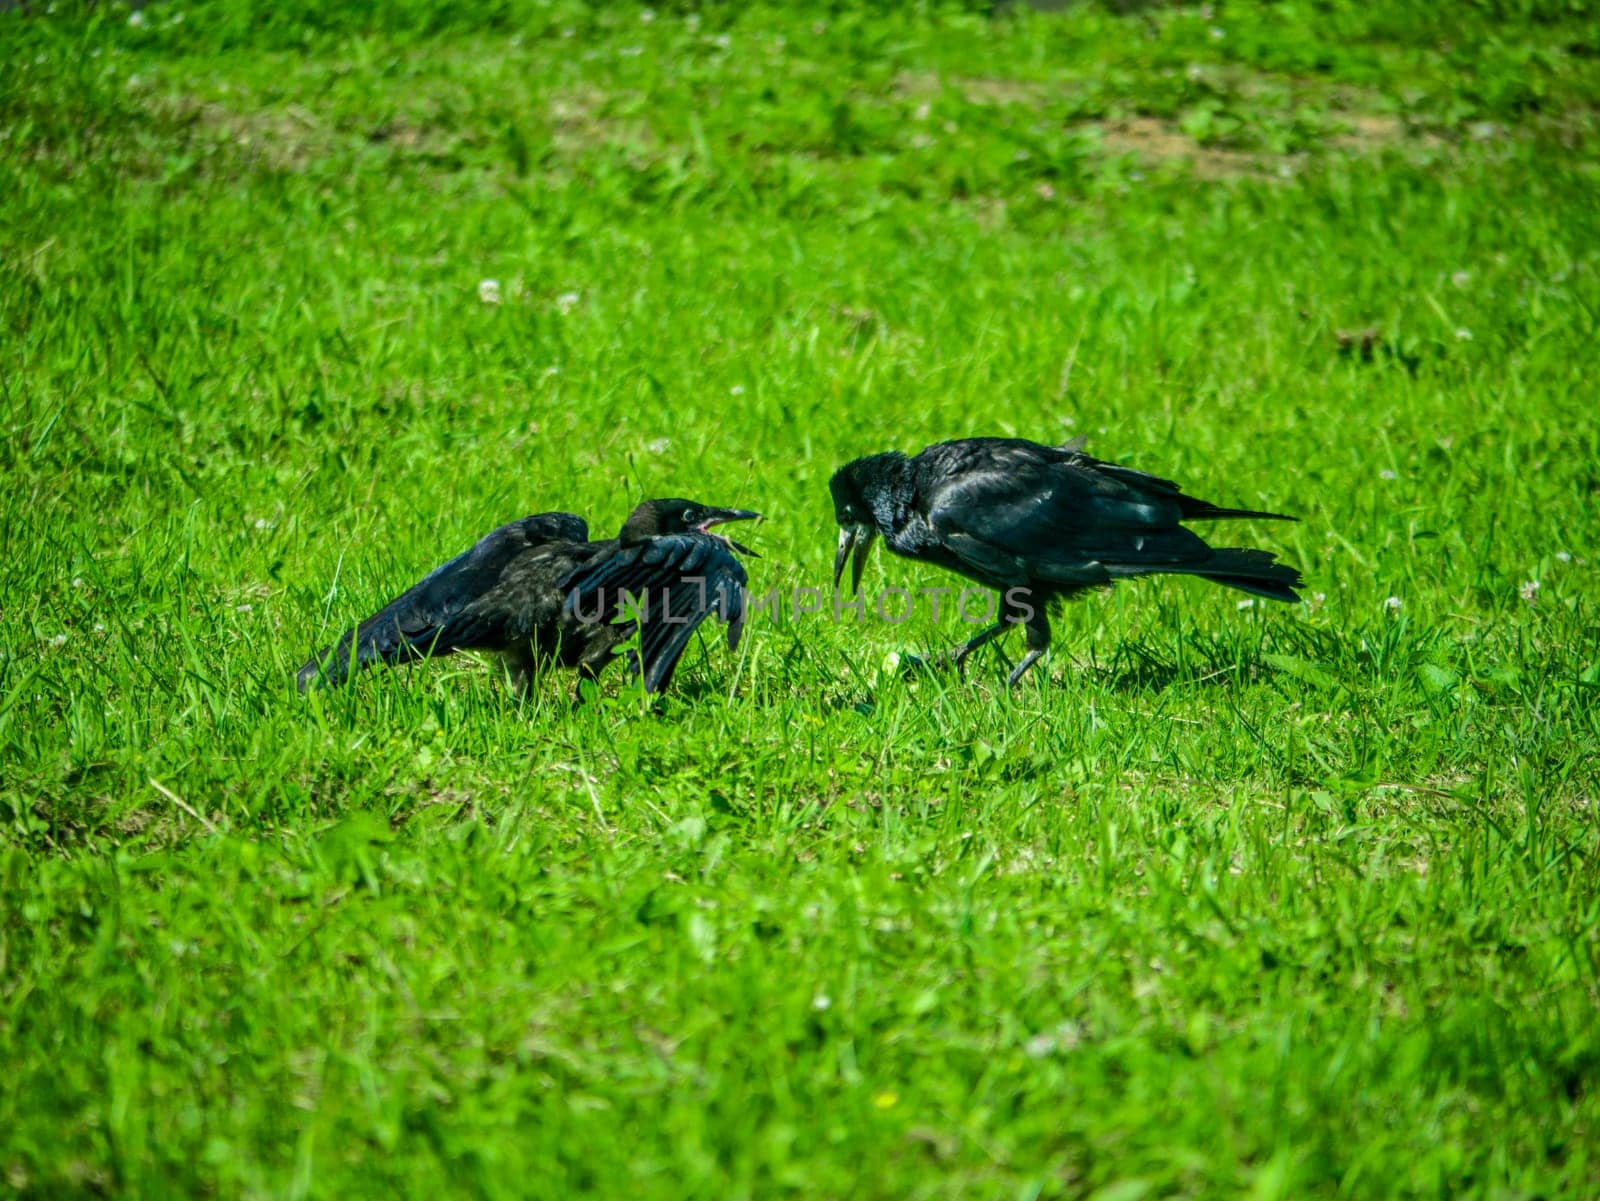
<point x="1372" y="132"/>
<point x="1157" y="141"/>
<point x="290" y="138"/>
<point x="583" y="118"/>
<point x="1358" y="126"/>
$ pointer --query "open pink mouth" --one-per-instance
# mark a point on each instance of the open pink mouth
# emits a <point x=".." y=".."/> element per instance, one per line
<point x="705" y="526"/>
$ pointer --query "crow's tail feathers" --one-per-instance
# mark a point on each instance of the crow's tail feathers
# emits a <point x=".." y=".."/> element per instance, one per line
<point x="376" y="640"/>
<point x="331" y="666"/>
<point x="325" y="668"/>
<point x="1201" y="510"/>
<point x="1252" y="571"/>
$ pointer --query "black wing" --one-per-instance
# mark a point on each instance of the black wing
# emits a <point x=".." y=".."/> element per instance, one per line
<point x="1013" y="510"/>
<point x="677" y="581"/>
<point x="413" y="624"/>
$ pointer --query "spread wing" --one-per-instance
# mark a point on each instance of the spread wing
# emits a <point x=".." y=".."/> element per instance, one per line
<point x="416" y="623"/>
<point x="1013" y="511"/>
<point x="677" y="581"/>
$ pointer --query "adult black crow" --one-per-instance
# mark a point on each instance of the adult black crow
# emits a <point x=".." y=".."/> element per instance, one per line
<point x="538" y="591"/>
<point x="1039" y="523"/>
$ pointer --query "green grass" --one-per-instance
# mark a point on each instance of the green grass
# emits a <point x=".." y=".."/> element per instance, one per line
<point x="1271" y="903"/>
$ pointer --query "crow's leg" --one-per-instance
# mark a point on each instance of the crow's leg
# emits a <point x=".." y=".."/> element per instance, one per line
<point x="595" y="661"/>
<point x="1038" y="643"/>
<point x="520" y="665"/>
<point x="1012" y="613"/>
<point x="587" y="671"/>
<point x="959" y="655"/>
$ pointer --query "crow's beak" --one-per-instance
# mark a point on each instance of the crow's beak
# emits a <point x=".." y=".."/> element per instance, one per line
<point x="721" y="516"/>
<point x="857" y="538"/>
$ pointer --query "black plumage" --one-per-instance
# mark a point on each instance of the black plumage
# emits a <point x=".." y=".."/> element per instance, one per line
<point x="1038" y="524"/>
<point x="538" y="591"/>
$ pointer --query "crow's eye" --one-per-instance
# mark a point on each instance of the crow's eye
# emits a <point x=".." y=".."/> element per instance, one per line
<point x="691" y="517"/>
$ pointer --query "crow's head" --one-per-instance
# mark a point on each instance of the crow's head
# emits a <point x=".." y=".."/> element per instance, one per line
<point x="657" y="518"/>
<point x="864" y="500"/>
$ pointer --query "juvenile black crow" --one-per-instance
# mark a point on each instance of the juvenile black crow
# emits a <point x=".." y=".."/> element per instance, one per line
<point x="1038" y="523"/>
<point x="538" y="591"/>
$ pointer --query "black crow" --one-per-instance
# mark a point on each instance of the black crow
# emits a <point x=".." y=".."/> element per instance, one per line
<point x="538" y="591"/>
<point x="1038" y="523"/>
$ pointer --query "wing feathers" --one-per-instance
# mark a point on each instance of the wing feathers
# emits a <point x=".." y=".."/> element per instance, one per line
<point x="1005" y="510"/>
<point x="431" y="617"/>
<point x="677" y="581"/>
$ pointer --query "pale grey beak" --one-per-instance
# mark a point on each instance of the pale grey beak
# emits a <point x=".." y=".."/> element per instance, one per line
<point x="857" y="538"/>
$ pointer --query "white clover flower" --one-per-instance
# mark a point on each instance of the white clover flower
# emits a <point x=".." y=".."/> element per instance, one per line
<point x="77" y="581"/>
<point x="1563" y="556"/>
<point x="920" y="113"/>
<point x="646" y="16"/>
<point x="1386" y="474"/>
<point x="1194" y="73"/>
<point x="489" y="291"/>
<point x="1248" y="603"/>
<point x="723" y="41"/>
<point x="567" y="301"/>
<point x="99" y="627"/>
<point x="821" y="1002"/>
<point x="136" y="18"/>
<point x="660" y="446"/>
<point x="736" y="390"/>
<point x="1463" y="335"/>
<point x="1461" y="278"/>
<point x="59" y="640"/>
<point x="1217" y="33"/>
<point x="1318" y="599"/>
<point x="261" y="523"/>
<point x="1529" y="591"/>
<point x="630" y="51"/>
<point x="1064" y="1037"/>
<point x="1392" y="604"/>
<point x="1044" y="191"/>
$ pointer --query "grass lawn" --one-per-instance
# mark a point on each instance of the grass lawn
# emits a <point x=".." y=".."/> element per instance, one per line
<point x="1223" y="901"/>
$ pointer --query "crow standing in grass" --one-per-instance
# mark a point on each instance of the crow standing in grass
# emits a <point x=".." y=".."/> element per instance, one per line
<point x="538" y="591"/>
<point x="1038" y="523"/>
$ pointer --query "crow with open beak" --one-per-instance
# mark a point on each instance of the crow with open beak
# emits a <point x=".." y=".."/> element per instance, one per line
<point x="538" y="592"/>
<point x="857" y="537"/>
<point x="1039" y="524"/>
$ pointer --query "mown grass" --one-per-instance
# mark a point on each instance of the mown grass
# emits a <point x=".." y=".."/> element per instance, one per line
<point x="1267" y="902"/>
